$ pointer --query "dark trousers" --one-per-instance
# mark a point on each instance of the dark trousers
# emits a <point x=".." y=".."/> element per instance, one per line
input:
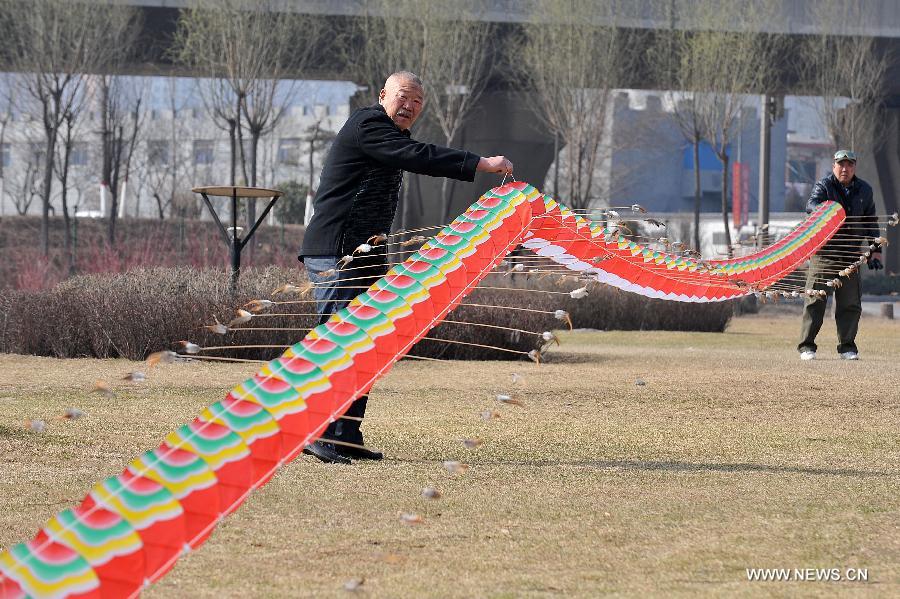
<point x="847" y="306"/>
<point x="333" y="290"/>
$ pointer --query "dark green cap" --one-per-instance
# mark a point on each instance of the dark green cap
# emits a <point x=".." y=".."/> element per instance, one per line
<point x="845" y="155"/>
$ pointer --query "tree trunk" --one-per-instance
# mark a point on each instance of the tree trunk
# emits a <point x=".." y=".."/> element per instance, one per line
<point x="254" y="146"/>
<point x="64" y="196"/>
<point x="312" y="149"/>
<point x="724" y="159"/>
<point x="445" y="201"/>
<point x="698" y="194"/>
<point x="63" y="180"/>
<point x="232" y="138"/>
<point x="159" y="205"/>
<point x="116" y="163"/>
<point x="556" y="165"/>
<point x="107" y="138"/>
<point x="240" y="138"/>
<point x="174" y="158"/>
<point x="251" y="202"/>
<point x="45" y="192"/>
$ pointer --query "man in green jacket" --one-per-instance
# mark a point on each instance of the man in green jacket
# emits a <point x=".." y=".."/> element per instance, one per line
<point x="855" y="195"/>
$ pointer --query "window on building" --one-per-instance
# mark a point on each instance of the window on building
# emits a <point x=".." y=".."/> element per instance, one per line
<point x="203" y="151"/>
<point x="158" y="152"/>
<point x="289" y="150"/>
<point x="79" y="155"/>
<point x="5" y="155"/>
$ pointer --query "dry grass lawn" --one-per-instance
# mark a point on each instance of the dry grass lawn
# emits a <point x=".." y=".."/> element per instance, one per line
<point x="733" y="454"/>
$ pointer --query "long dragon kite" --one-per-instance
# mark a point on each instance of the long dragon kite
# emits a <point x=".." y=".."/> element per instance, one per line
<point x="132" y="528"/>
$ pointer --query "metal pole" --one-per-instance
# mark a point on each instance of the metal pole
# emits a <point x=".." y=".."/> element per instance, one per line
<point x="765" y="151"/>
<point x="235" y="245"/>
<point x="555" y="164"/>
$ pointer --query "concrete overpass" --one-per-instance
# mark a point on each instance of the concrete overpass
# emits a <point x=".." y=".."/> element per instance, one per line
<point x="502" y="123"/>
<point x="878" y="19"/>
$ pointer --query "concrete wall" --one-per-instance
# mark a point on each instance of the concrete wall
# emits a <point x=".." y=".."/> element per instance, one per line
<point x="886" y="175"/>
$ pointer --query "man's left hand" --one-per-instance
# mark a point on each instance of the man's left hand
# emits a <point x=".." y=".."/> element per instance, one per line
<point x="874" y="261"/>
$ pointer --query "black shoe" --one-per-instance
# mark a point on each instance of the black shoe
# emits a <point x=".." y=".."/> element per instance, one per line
<point x="326" y="452"/>
<point x="361" y="453"/>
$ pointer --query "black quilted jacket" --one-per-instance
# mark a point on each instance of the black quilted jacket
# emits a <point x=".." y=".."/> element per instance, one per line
<point x="360" y="183"/>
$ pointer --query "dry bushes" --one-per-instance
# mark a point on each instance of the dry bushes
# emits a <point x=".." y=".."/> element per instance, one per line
<point x="604" y="308"/>
<point x="608" y="308"/>
<point x="134" y="313"/>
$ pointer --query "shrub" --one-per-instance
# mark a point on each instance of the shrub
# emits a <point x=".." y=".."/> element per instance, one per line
<point x="880" y="284"/>
<point x="291" y="207"/>
<point x="132" y="314"/>
<point x="135" y="313"/>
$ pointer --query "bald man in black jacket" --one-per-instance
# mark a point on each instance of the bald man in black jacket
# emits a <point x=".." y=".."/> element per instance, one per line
<point x="356" y="200"/>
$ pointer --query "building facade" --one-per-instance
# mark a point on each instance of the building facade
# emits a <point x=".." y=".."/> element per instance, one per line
<point x="178" y="146"/>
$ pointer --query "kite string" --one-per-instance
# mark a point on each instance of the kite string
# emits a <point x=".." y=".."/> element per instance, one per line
<point x="239" y="500"/>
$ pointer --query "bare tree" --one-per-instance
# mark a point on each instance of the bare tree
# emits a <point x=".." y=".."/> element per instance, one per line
<point x="6" y="108"/>
<point x="151" y="175"/>
<point x="247" y="51"/>
<point x="319" y="140"/>
<point x="573" y="64"/>
<point x="118" y="101"/>
<point x="61" y="168"/>
<point x="158" y="167"/>
<point x="53" y="44"/>
<point x="673" y="61"/>
<point x="25" y="187"/>
<point x="121" y="114"/>
<point x="686" y="112"/>
<point x="848" y="73"/>
<point x="728" y="59"/>
<point x="446" y="44"/>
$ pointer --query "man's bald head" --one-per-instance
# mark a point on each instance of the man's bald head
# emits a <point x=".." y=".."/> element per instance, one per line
<point x="403" y="98"/>
<point x="400" y="76"/>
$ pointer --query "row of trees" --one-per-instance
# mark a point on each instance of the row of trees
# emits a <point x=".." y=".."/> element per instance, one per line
<point x="572" y="54"/>
<point x="65" y="60"/>
<point x="52" y="46"/>
<point x="711" y="58"/>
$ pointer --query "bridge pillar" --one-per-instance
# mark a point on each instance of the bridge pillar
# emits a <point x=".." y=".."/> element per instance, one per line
<point x="887" y="165"/>
<point x="501" y="123"/>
